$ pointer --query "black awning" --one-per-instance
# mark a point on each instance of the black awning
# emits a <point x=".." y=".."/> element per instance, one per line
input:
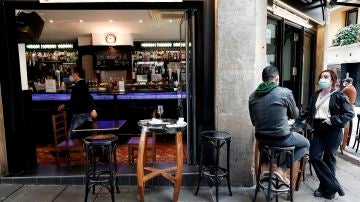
<point x="316" y="8"/>
<point x="313" y="8"/>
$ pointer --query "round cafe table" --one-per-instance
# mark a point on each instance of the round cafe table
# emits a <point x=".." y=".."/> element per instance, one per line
<point x="166" y="126"/>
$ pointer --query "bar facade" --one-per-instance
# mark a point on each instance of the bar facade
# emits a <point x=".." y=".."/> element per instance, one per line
<point x="229" y="53"/>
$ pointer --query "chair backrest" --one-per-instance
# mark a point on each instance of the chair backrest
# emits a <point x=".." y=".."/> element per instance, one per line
<point x="60" y="129"/>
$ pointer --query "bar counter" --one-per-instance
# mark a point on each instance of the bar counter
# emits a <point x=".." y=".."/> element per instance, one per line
<point x="130" y="106"/>
<point x="112" y="96"/>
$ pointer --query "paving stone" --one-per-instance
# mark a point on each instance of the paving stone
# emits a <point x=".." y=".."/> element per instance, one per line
<point x="74" y="193"/>
<point x="239" y="194"/>
<point x="30" y="193"/>
<point x="8" y="189"/>
<point x="347" y="173"/>
<point x="187" y="194"/>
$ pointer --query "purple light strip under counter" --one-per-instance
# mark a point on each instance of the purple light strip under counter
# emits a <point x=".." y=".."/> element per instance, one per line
<point x="128" y="96"/>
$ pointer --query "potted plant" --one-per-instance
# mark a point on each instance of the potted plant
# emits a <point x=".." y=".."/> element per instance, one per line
<point x="347" y="35"/>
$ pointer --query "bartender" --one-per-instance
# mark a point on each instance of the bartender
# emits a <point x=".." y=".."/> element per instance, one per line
<point x="81" y="102"/>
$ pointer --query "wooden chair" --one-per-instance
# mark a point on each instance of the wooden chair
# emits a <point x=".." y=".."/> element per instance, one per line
<point x="61" y="138"/>
<point x="133" y="146"/>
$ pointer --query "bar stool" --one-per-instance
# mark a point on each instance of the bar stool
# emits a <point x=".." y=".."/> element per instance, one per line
<point x="270" y="183"/>
<point x="102" y="172"/>
<point x="214" y="172"/>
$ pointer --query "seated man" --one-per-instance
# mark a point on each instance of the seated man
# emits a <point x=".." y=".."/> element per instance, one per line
<point x="270" y="107"/>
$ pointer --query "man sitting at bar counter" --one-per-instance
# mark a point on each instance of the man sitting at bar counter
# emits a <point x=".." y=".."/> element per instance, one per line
<point x="81" y="102"/>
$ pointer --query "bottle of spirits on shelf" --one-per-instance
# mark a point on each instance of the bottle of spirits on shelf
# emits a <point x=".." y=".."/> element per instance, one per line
<point x="175" y="56"/>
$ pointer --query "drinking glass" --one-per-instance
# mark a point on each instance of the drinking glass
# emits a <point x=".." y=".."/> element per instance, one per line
<point x="160" y="110"/>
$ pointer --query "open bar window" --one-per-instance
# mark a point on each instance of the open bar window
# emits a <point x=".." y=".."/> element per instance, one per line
<point x="351" y="17"/>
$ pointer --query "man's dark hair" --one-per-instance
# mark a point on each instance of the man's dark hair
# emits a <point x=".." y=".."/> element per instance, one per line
<point x="79" y="70"/>
<point x="269" y="73"/>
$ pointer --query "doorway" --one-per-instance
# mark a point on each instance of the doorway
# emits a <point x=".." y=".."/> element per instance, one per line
<point x="291" y="61"/>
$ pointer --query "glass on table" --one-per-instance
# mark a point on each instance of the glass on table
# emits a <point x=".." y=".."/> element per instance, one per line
<point x="160" y="110"/>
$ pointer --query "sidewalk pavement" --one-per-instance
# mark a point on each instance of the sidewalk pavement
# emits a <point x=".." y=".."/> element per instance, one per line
<point x="349" y="151"/>
<point x="348" y="171"/>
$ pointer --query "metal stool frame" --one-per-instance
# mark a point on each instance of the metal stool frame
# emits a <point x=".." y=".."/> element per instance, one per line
<point x="357" y="138"/>
<point x="212" y="172"/>
<point x="274" y="189"/>
<point x="96" y="177"/>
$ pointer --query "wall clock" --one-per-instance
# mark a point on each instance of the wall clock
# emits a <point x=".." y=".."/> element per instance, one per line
<point x="110" y="38"/>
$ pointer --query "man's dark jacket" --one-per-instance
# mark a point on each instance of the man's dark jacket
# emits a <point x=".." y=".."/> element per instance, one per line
<point x="270" y="113"/>
<point x="81" y="101"/>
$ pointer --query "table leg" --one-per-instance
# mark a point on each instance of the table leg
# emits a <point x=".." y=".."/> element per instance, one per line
<point x="357" y="132"/>
<point x="256" y="159"/>
<point x="179" y="165"/>
<point x="140" y="165"/>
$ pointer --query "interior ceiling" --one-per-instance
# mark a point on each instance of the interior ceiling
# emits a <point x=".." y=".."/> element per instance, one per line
<point x="155" y="25"/>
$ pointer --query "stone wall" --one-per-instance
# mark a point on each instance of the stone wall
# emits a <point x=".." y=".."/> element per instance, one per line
<point x="3" y="159"/>
<point x="240" y="29"/>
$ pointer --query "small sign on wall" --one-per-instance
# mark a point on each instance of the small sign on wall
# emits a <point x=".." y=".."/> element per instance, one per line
<point x="50" y="85"/>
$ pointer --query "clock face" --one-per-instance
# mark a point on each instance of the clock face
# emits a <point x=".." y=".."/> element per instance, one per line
<point x="110" y="38"/>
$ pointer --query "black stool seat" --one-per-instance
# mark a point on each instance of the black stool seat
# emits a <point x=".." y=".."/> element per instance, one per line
<point x="214" y="172"/>
<point x="270" y="183"/>
<point x="216" y="135"/>
<point x="103" y="171"/>
<point x="210" y="171"/>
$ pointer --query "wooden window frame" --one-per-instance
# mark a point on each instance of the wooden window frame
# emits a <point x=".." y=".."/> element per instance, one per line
<point x="348" y="13"/>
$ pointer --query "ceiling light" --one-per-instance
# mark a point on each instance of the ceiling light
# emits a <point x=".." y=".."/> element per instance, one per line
<point x="170" y="20"/>
<point x="140" y="20"/>
<point x="81" y="20"/>
<point x="51" y="21"/>
<point x="110" y="20"/>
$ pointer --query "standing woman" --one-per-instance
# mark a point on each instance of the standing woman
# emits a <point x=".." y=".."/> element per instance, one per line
<point x="330" y="111"/>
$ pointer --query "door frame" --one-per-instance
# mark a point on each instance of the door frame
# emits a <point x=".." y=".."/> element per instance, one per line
<point x="281" y="23"/>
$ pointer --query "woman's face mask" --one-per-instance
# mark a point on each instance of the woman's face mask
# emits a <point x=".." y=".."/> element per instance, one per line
<point x="324" y="83"/>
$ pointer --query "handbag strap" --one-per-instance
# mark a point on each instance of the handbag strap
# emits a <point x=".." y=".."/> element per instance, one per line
<point x="322" y="101"/>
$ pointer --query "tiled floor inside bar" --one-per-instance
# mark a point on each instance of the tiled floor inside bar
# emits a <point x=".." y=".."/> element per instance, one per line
<point x="74" y="173"/>
<point x="165" y="152"/>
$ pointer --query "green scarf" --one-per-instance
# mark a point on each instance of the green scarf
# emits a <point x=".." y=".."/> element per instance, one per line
<point x="265" y="87"/>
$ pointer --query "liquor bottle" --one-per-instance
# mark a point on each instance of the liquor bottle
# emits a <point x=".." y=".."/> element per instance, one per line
<point x="122" y="85"/>
<point x="151" y="55"/>
<point x="162" y="69"/>
<point x="169" y="56"/>
<point x="175" y="56"/>
<point x="183" y="56"/>
<point x="133" y="76"/>
<point x="138" y="69"/>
